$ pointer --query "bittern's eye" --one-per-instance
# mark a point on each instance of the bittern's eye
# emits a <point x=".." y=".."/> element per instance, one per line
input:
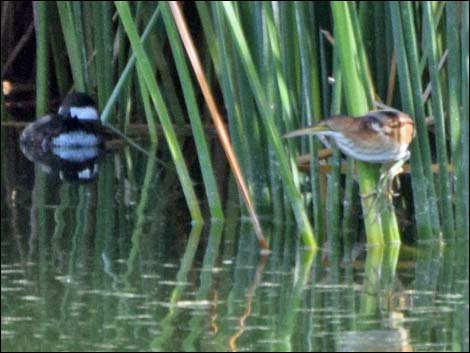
<point x="375" y="123"/>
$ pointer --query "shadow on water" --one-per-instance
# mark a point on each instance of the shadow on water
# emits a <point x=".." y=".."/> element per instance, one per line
<point x="117" y="265"/>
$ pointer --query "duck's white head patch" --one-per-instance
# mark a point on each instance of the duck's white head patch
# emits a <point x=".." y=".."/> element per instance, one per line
<point x="80" y="113"/>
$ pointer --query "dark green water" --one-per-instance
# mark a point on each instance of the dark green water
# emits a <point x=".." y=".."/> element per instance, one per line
<point x="99" y="267"/>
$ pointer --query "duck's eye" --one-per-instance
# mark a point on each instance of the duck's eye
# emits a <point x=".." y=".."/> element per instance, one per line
<point x="63" y="111"/>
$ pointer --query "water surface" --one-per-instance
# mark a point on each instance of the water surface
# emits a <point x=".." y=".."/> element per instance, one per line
<point x="100" y="267"/>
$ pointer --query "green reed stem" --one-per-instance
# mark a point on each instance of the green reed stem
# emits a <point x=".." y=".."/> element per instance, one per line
<point x="71" y="27"/>
<point x="103" y="40"/>
<point x="207" y="169"/>
<point x="423" y="219"/>
<point x="143" y="64"/>
<point x="42" y="57"/>
<point x="438" y="113"/>
<point x="356" y="99"/>
<point x="311" y="107"/>
<point x="463" y="224"/>
<point x="106" y="113"/>
<point x="272" y="132"/>
<point x="454" y="84"/>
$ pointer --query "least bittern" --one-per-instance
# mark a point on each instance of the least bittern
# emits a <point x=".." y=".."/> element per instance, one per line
<point x="381" y="136"/>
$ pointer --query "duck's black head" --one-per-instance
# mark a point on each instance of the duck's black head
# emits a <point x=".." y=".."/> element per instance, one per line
<point x="80" y="106"/>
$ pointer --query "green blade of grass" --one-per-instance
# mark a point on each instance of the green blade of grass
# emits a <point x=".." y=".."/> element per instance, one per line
<point x="311" y="107"/>
<point x="218" y="122"/>
<point x="144" y="65"/>
<point x="454" y="103"/>
<point x="103" y="41"/>
<point x="272" y="132"/>
<point x="42" y="56"/>
<point x="426" y="215"/>
<point x="194" y="116"/>
<point x="464" y="168"/>
<point x="126" y="72"/>
<point x="438" y="113"/>
<point x="69" y="20"/>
